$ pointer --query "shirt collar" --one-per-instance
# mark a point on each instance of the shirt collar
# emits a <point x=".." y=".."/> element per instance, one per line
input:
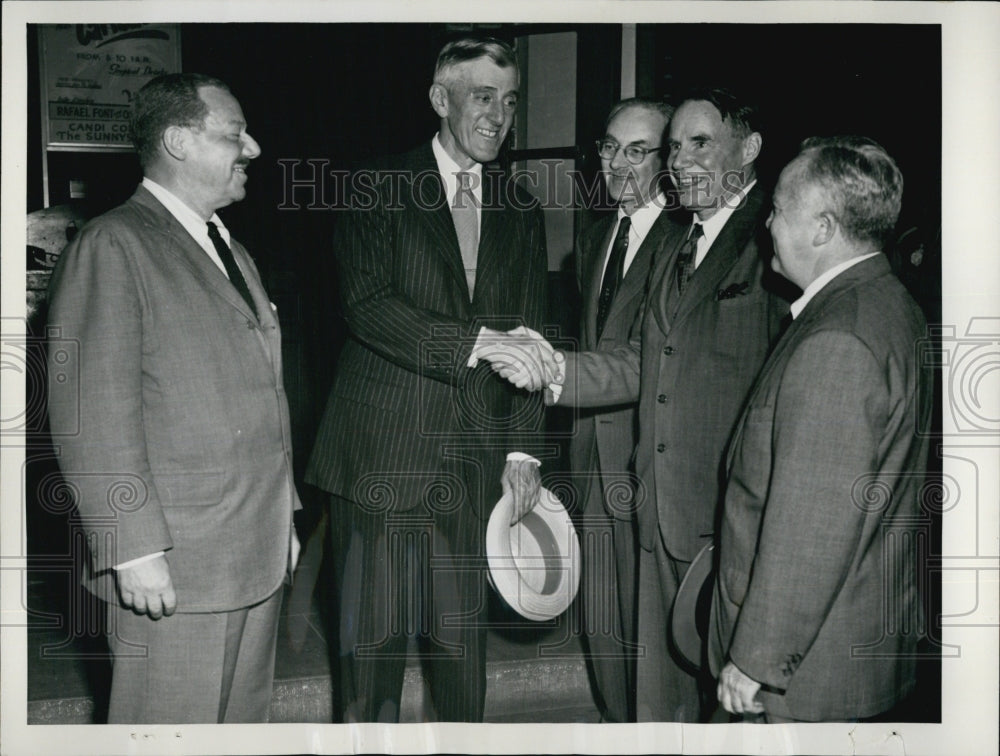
<point x="447" y="167"/>
<point x="816" y="286"/>
<point x="193" y="223"/>
<point x="713" y="226"/>
<point x="644" y="217"/>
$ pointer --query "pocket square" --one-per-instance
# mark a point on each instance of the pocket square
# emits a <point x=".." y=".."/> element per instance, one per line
<point x="733" y="290"/>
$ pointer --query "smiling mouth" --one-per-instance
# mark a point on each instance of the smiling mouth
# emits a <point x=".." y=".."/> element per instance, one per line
<point x="687" y="182"/>
<point x="488" y="133"/>
<point x="240" y="168"/>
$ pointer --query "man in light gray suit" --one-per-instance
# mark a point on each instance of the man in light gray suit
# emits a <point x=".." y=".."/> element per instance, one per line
<point x="173" y="429"/>
<point x="818" y="577"/>
<point x="612" y="261"/>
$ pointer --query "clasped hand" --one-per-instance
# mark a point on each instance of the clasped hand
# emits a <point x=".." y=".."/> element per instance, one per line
<point x="522" y="356"/>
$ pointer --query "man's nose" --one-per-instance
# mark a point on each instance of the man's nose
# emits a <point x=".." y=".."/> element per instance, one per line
<point x="251" y="149"/>
<point x="619" y="160"/>
<point x="679" y="158"/>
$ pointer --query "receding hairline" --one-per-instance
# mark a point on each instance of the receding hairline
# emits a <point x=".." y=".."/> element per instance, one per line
<point x="653" y="107"/>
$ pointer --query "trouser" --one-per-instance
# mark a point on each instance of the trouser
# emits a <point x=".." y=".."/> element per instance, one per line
<point x="607" y="606"/>
<point x="665" y="690"/>
<point x="420" y="574"/>
<point x="187" y="668"/>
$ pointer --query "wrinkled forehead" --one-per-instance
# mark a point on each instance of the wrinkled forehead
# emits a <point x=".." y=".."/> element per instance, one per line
<point x="484" y="72"/>
<point x="699" y="117"/>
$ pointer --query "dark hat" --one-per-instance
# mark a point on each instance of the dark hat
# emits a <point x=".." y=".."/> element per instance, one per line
<point x="692" y="606"/>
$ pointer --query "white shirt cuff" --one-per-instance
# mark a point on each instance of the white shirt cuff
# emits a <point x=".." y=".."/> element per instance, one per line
<point x="474" y="357"/>
<point x="556" y="387"/>
<point x="522" y="457"/>
<point x="138" y="560"/>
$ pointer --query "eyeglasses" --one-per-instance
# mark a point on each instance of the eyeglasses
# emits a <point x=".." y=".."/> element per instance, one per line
<point x="608" y="148"/>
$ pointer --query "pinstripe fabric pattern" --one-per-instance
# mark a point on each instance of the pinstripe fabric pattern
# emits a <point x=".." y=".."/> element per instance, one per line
<point x="404" y="408"/>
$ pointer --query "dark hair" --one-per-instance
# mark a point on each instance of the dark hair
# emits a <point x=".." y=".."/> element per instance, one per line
<point x="743" y="117"/>
<point x="655" y="106"/>
<point x="168" y="100"/>
<point x="863" y="182"/>
<point x="472" y="48"/>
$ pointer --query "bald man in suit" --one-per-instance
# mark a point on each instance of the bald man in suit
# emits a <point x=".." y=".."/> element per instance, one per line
<point x="173" y="429"/>
<point x="818" y="579"/>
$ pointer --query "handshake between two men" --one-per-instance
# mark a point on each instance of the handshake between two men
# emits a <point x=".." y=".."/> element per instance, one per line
<point x="523" y="357"/>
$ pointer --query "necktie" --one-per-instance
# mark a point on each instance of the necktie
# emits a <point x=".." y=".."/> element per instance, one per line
<point x="229" y="263"/>
<point x="686" y="259"/>
<point x="463" y="214"/>
<point x="613" y="273"/>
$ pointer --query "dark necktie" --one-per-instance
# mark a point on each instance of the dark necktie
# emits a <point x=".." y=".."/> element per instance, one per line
<point x="463" y="213"/>
<point x="229" y="263"/>
<point x="686" y="259"/>
<point x="613" y="273"/>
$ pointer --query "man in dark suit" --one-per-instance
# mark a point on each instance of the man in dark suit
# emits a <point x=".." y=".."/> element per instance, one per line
<point x="438" y="255"/>
<point x="816" y="566"/>
<point x="612" y="263"/>
<point x="703" y="332"/>
<point x="173" y="429"/>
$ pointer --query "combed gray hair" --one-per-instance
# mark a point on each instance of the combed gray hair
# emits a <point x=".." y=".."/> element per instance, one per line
<point x="863" y="182"/>
<point x="472" y="48"/>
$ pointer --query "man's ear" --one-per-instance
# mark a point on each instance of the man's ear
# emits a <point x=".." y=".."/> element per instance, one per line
<point x="174" y="141"/>
<point x="826" y="228"/>
<point x="439" y="99"/>
<point x="751" y="147"/>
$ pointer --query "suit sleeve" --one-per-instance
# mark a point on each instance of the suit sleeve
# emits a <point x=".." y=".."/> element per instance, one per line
<point x="830" y="409"/>
<point x="602" y="379"/>
<point x="95" y="404"/>
<point x="527" y="407"/>
<point x="382" y="316"/>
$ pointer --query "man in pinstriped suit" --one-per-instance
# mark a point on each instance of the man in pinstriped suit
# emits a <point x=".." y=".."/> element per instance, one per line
<point x="438" y="253"/>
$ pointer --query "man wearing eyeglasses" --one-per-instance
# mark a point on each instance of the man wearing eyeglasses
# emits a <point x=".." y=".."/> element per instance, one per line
<point x="612" y="263"/>
<point x="700" y="337"/>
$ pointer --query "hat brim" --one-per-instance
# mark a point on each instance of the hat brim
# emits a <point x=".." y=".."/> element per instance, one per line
<point x="692" y="606"/>
<point x="534" y="565"/>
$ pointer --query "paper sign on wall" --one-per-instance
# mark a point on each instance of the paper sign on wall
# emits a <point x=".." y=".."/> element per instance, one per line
<point x="90" y="72"/>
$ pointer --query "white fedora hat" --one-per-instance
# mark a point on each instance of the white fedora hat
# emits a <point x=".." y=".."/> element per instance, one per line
<point x="534" y="565"/>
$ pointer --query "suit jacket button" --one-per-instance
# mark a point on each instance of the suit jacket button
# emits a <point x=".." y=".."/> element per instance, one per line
<point x="668" y="350"/>
<point x="661" y="448"/>
<point x="661" y="398"/>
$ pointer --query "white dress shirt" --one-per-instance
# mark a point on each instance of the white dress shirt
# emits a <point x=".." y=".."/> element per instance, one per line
<point x="193" y="223"/>
<point x="448" y="169"/>
<point x="713" y="226"/>
<point x="642" y="220"/>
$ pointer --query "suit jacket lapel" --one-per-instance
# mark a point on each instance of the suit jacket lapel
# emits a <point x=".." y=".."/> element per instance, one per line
<point x="432" y="210"/>
<point x="661" y="280"/>
<point x="495" y="232"/>
<point x="184" y="247"/>
<point x="723" y="253"/>
<point x="634" y="282"/>
<point x="863" y="271"/>
<point x="593" y="271"/>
